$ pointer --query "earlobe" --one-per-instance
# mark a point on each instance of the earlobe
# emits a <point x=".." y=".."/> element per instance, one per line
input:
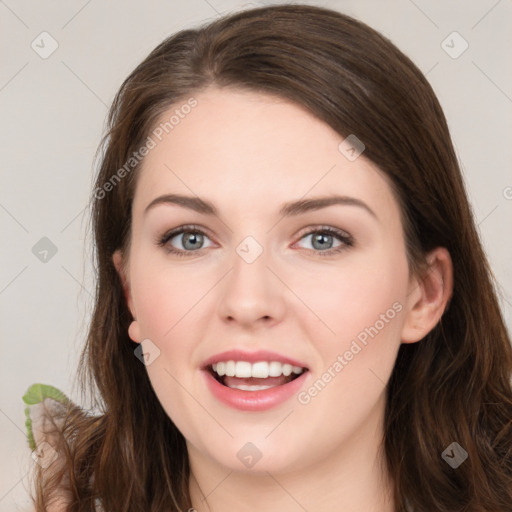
<point x="134" y="332"/>
<point x="428" y="297"/>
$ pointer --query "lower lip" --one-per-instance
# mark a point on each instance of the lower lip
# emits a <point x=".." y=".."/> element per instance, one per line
<point x="261" y="400"/>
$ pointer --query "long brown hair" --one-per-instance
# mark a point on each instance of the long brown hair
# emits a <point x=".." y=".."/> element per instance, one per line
<point x="452" y="386"/>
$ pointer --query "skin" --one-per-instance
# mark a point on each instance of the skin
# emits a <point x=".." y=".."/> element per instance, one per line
<point x="248" y="154"/>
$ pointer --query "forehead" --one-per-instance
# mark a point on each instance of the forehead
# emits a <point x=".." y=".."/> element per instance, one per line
<point x="241" y="148"/>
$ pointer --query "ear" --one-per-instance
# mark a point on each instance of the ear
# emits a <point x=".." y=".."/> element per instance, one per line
<point x="428" y="296"/>
<point x="134" y="329"/>
<point x="117" y="258"/>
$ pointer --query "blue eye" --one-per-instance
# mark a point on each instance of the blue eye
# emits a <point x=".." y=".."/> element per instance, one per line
<point x="322" y="239"/>
<point x="192" y="240"/>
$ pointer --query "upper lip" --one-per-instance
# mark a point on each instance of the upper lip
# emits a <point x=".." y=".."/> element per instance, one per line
<point x="251" y="357"/>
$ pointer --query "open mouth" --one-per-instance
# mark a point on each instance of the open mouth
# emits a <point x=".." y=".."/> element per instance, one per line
<point x="258" y="376"/>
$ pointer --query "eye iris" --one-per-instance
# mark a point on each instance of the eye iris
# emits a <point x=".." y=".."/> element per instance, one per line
<point x="321" y="237"/>
<point x="193" y="240"/>
<point x="192" y="237"/>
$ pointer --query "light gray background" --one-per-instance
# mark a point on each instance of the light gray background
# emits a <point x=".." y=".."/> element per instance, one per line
<point x="53" y="113"/>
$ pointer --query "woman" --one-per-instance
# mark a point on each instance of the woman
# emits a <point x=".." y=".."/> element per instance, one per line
<point x="333" y="341"/>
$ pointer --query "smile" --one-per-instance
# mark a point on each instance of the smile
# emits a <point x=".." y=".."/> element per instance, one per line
<point x="255" y="381"/>
<point x="258" y="376"/>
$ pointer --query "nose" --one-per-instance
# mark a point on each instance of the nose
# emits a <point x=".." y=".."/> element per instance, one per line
<point x="251" y="294"/>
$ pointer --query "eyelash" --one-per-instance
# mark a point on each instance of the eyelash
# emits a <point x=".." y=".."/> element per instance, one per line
<point x="347" y="240"/>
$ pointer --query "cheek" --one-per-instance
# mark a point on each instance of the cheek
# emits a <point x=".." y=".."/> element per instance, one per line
<point x="354" y="295"/>
<point x="365" y="309"/>
<point x="166" y="296"/>
<point x="169" y="302"/>
<point x="164" y="301"/>
<point x="363" y="304"/>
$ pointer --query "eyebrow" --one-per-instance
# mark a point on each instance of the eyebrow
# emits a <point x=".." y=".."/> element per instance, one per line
<point x="288" y="209"/>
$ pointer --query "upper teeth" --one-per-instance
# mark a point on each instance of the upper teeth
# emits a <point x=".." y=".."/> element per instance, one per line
<point x="261" y="369"/>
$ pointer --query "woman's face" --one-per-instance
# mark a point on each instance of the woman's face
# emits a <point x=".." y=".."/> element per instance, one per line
<point x="262" y="277"/>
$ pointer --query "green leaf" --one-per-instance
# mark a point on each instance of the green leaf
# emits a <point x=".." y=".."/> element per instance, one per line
<point x="36" y="394"/>
<point x="30" y="433"/>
